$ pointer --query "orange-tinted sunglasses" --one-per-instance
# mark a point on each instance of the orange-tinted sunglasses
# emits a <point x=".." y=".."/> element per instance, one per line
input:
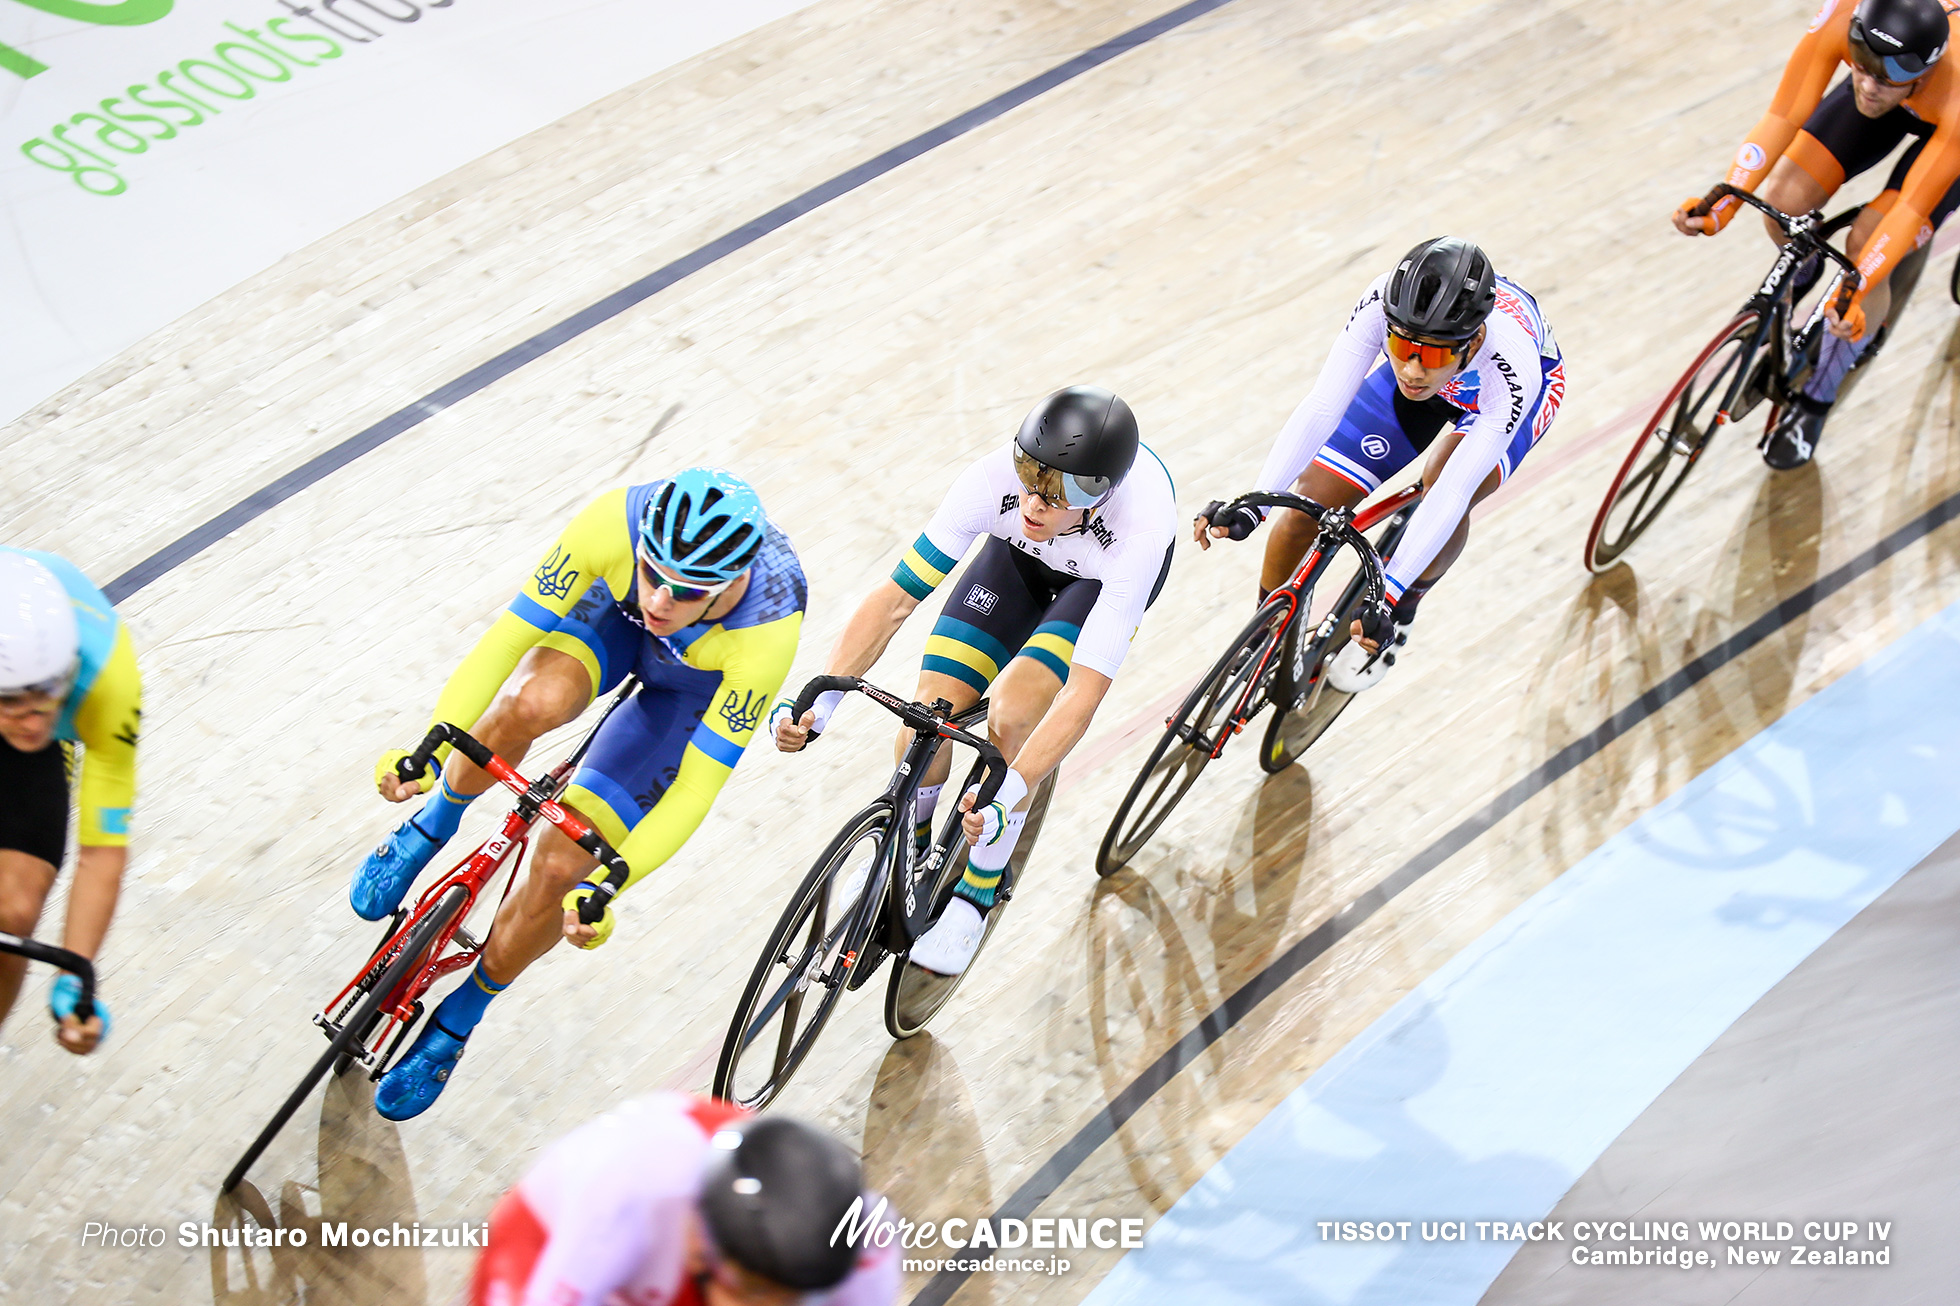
<point x="1401" y="348"/>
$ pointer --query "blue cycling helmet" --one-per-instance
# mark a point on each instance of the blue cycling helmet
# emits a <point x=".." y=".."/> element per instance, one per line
<point x="703" y="526"/>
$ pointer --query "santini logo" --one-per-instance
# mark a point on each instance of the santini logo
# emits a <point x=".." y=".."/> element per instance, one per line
<point x="981" y="599"/>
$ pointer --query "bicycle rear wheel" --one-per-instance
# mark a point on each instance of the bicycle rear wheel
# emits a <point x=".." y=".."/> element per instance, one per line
<point x="1231" y="694"/>
<point x="1669" y="445"/>
<point x="396" y="969"/>
<point x="915" y="994"/>
<point x="815" y="944"/>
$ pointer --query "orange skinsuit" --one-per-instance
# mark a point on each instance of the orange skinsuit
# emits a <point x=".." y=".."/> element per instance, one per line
<point x="1805" y="79"/>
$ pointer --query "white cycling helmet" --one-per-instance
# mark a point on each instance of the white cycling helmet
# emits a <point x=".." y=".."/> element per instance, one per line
<point x="38" y="637"/>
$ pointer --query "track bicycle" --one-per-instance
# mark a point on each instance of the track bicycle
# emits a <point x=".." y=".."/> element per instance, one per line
<point x="1760" y="355"/>
<point x="369" y="1020"/>
<point x="62" y="959"/>
<point x="1278" y="660"/>
<point x="868" y="897"/>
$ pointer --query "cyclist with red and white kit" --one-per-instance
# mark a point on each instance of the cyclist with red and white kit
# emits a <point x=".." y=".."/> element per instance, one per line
<point x="689" y="1201"/>
<point x="1472" y="380"/>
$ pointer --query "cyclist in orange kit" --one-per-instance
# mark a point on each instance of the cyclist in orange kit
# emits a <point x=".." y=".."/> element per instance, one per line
<point x="1810" y="143"/>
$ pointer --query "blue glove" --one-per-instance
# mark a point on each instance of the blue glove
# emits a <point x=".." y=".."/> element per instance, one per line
<point x="67" y="991"/>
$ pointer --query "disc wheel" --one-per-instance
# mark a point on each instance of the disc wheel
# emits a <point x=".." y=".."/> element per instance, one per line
<point x="1235" y="685"/>
<point x="396" y="967"/>
<point x="1668" y="446"/>
<point x="915" y="995"/>
<point x="803" y="969"/>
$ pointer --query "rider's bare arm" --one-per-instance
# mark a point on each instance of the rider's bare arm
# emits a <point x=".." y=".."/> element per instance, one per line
<point x="91" y="905"/>
<point x="870" y="629"/>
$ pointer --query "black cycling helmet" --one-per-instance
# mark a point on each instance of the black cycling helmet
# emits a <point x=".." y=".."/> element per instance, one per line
<point x="1076" y="447"/>
<point x="1442" y="289"/>
<point x="1898" y="41"/>
<point x="773" y="1197"/>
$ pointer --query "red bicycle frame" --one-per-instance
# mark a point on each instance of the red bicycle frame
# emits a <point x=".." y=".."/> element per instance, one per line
<point x="399" y="1009"/>
<point x="1288" y="595"/>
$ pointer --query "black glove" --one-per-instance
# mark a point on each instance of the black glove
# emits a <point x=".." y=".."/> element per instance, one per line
<point x="1377" y="621"/>
<point x="1239" y="520"/>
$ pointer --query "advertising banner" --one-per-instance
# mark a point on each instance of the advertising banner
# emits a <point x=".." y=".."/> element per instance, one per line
<point x="157" y="152"/>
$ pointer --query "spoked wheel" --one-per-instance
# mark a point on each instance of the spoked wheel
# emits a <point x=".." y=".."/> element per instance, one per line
<point x="804" y="967"/>
<point x="1229" y="695"/>
<point x="916" y="994"/>
<point x="1668" y="447"/>
<point x="396" y="967"/>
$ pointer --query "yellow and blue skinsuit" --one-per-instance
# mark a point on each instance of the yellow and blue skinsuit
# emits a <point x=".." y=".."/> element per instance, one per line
<point x="656" y="765"/>
<point x="102" y="711"/>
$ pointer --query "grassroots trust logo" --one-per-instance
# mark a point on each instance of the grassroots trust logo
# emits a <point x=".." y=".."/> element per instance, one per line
<point x="92" y="145"/>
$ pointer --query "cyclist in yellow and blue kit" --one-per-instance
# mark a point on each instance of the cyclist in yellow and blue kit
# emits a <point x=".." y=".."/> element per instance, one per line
<point x="67" y="676"/>
<point x="683" y="581"/>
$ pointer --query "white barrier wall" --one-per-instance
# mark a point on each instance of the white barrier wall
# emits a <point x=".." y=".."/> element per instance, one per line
<point x="158" y="152"/>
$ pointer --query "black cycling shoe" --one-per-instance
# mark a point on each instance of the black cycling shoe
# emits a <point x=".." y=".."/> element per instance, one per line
<point x="1798" y="428"/>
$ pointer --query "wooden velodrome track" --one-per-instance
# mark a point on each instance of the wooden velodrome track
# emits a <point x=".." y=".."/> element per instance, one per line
<point x="1187" y="224"/>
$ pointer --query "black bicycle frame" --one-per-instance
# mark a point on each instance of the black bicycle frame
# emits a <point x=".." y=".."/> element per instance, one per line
<point x="1805" y="235"/>
<point x="933" y="726"/>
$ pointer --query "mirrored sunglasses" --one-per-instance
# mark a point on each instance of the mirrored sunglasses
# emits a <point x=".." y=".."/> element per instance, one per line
<point x="1056" y="488"/>
<point x="1402" y="348"/>
<point x="682" y="592"/>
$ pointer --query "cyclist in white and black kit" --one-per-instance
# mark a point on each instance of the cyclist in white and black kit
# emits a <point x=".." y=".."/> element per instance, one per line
<point x="1472" y="378"/>
<point x="1079" y="519"/>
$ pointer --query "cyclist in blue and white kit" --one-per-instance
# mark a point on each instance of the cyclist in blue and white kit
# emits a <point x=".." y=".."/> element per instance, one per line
<point x="1472" y="379"/>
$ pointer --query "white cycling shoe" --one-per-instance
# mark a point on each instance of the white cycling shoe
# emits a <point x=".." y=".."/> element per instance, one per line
<point x="949" y="945"/>
<point x="1351" y="672"/>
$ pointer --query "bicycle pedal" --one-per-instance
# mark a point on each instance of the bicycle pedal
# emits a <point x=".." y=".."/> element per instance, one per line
<point x="469" y="941"/>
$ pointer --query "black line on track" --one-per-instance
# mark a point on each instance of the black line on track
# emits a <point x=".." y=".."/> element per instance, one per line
<point x="321" y="466"/>
<point x="1102" y="1126"/>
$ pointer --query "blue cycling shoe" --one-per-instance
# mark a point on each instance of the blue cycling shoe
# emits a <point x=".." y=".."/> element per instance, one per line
<point x="417" y="1080"/>
<point x="388" y="871"/>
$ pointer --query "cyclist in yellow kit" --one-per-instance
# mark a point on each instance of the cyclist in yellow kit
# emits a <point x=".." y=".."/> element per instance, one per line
<point x="67" y="676"/>
<point x="684" y="582"/>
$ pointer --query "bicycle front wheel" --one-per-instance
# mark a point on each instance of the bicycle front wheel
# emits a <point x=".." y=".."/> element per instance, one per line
<point x="805" y="965"/>
<point x="399" y="966"/>
<point x="1669" y="445"/>
<point x="1231" y="693"/>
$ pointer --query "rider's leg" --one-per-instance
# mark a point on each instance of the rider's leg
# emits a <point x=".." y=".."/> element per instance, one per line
<point x="24" y="883"/>
<point x="1791" y="186"/>
<point x="962" y="695"/>
<point x="1019" y="699"/>
<point x="989" y="612"/>
<point x="549" y="688"/>
<point x="528" y="923"/>
<point x="1291" y="531"/>
<point x="1367" y="447"/>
